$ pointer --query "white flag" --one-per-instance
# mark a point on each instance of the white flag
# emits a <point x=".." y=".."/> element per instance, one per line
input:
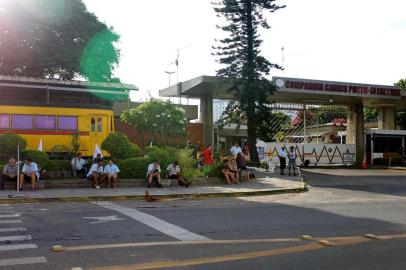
<point x="40" y="145"/>
<point x="97" y="151"/>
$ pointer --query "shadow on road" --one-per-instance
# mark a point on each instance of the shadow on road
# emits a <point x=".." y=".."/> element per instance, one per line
<point x="382" y="184"/>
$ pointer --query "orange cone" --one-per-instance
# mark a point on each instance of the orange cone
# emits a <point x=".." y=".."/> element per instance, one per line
<point x="364" y="163"/>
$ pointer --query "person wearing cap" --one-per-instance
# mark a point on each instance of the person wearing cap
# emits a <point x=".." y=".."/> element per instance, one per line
<point x="154" y="174"/>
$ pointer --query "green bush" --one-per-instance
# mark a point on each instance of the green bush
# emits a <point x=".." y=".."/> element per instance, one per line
<point x="213" y="170"/>
<point x="119" y="147"/>
<point x="58" y="165"/>
<point x="38" y="157"/>
<point x="8" y="146"/>
<point x="173" y="152"/>
<point x="150" y="149"/>
<point x="187" y="163"/>
<point x="133" y="168"/>
<point x="132" y="151"/>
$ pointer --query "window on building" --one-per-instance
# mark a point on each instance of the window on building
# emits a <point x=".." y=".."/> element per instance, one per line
<point x="67" y="123"/>
<point x="99" y="124"/>
<point x="93" y="124"/>
<point x="387" y="144"/>
<point x="45" y="122"/>
<point x="21" y="121"/>
<point x="4" y="121"/>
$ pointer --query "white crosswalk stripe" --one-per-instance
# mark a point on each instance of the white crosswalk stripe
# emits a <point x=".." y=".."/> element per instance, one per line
<point x="16" y="229"/>
<point x="11" y="221"/>
<point x="17" y="247"/>
<point x="9" y="217"/>
<point x="15" y="238"/>
<point x="19" y="261"/>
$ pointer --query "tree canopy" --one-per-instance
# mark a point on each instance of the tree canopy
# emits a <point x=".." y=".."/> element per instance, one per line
<point x="401" y="84"/>
<point x="240" y="56"/>
<point x="57" y="39"/>
<point x="161" y="118"/>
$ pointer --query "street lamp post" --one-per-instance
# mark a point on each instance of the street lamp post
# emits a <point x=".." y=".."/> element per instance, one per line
<point x="169" y="76"/>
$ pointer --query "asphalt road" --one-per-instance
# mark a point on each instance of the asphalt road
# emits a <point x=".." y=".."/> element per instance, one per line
<point x="260" y="232"/>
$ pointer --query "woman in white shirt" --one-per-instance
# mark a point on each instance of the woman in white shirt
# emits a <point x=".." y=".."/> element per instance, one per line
<point x="111" y="171"/>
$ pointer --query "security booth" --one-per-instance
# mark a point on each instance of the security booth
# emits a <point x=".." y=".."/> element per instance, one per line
<point x="384" y="147"/>
<point x="323" y="120"/>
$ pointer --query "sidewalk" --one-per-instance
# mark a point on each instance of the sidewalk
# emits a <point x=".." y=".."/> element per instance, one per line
<point x="265" y="183"/>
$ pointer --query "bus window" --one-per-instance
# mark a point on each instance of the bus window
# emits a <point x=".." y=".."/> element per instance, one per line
<point x="93" y="124"/>
<point x="111" y="123"/>
<point x="21" y="121"/>
<point x="4" y="121"/>
<point x="99" y="124"/>
<point x="67" y="123"/>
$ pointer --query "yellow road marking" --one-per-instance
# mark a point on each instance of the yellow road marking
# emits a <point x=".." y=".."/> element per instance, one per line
<point x="338" y="241"/>
<point x="181" y="243"/>
<point x="218" y="259"/>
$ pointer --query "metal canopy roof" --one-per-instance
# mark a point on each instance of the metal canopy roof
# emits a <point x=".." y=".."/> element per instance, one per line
<point x="220" y="89"/>
<point x="74" y="86"/>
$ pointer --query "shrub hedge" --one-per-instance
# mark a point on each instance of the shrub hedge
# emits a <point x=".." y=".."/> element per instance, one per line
<point x="8" y="146"/>
<point x="41" y="158"/>
<point x="133" y="168"/>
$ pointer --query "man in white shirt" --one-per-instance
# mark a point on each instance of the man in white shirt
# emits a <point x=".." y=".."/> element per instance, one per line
<point x="79" y="165"/>
<point x="96" y="174"/>
<point x="29" y="173"/>
<point x="111" y="171"/>
<point x="282" y="159"/>
<point x="235" y="149"/>
<point x="173" y="172"/>
<point x="154" y="174"/>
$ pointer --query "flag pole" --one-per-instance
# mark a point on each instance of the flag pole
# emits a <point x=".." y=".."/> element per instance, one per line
<point x="18" y="168"/>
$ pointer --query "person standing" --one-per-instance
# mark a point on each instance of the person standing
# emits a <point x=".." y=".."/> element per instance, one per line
<point x="29" y="173"/>
<point x="111" y="171"/>
<point x="235" y="149"/>
<point x="79" y="165"/>
<point x="282" y="159"/>
<point x="9" y="173"/>
<point x="292" y="160"/>
<point x="246" y="151"/>
<point x="208" y="155"/>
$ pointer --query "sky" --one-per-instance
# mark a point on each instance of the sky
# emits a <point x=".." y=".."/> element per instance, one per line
<point x="344" y="40"/>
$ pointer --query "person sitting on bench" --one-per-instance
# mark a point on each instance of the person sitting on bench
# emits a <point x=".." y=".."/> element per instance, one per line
<point x="173" y="172"/>
<point x="9" y="173"/>
<point x="29" y="173"/>
<point x="96" y="174"/>
<point x="154" y="174"/>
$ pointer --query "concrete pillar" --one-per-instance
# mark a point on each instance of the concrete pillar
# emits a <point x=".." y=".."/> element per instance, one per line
<point x="350" y="130"/>
<point x="359" y="133"/>
<point x="386" y="118"/>
<point x="206" y="116"/>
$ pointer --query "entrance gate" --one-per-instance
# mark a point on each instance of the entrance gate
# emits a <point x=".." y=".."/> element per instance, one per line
<point x="320" y="134"/>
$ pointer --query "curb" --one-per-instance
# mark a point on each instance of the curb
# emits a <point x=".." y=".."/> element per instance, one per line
<point x="159" y="197"/>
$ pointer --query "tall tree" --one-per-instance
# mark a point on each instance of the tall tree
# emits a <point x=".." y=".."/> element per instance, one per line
<point x="401" y="115"/>
<point x="240" y="55"/>
<point x="55" y="39"/>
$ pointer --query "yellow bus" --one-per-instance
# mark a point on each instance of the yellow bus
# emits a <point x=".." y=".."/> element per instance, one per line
<point x="56" y="126"/>
<point x="55" y="111"/>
